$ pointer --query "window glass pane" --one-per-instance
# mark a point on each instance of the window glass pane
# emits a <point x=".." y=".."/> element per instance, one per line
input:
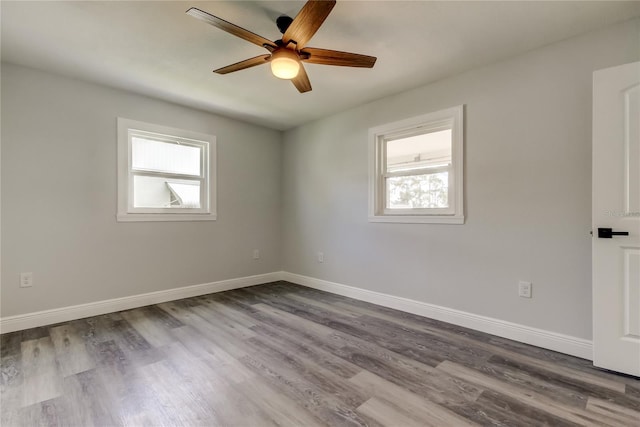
<point x="159" y="192"/>
<point x="419" y="151"/>
<point x="158" y="156"/>
<point x="418" y="191"/>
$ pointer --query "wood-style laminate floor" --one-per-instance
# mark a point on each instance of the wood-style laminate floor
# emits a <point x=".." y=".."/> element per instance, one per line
<point x="284" y="355"/>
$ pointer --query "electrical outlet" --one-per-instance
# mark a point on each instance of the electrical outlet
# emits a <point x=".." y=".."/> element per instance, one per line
<point x="26" y="280"/>
<point x="524" y="289"/>
<point x="320" y="256"/>
<point x="256" y="254"/>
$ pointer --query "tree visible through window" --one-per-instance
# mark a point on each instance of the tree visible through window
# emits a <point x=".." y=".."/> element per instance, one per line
<point x="419" y="191"/>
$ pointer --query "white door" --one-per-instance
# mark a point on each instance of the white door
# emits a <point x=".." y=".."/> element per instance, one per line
<point x="616" y="208"/>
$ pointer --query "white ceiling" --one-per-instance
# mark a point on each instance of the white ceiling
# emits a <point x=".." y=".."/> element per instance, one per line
<point x="154" y="48"/>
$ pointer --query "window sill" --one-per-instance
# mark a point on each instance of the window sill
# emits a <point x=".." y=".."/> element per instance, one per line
<point x="164" y="217"/>
<point x="418" y="219"/>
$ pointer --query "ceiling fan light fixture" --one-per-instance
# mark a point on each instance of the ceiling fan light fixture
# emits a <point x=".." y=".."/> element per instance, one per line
<point x="285" y="64"/>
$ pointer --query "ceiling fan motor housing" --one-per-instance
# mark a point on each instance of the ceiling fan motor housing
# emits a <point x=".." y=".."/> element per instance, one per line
<point x="283" y="23"/>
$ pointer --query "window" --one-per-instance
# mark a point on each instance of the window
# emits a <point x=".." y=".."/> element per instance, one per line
<point x="164" y="174"/>
<point x="416" y="169"/>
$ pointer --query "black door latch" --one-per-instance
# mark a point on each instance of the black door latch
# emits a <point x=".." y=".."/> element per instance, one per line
<point x="607" y="233"/>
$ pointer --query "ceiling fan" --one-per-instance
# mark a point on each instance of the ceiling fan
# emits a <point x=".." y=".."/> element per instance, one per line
<point x="287" y="54"/>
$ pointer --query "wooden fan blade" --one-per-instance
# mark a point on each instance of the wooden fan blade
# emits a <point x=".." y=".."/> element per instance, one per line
<point x="301" y="81"/>
<point x="307" y="22"/>
<point x="247" y="63"/>
<point x="335" y="57"/>
<point x="229" y="27"/>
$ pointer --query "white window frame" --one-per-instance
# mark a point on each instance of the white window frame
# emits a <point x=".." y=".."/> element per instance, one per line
<point x="450" y="118"/>
<point x="126" y="212"/>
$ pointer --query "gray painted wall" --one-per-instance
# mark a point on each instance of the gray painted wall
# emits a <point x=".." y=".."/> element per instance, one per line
<point x="59" y="198"/>
<point x="527" y="182"/>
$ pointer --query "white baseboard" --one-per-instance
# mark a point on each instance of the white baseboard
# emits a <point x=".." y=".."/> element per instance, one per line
<point x="64" y="314"/>
<point x="546" y="339"/>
